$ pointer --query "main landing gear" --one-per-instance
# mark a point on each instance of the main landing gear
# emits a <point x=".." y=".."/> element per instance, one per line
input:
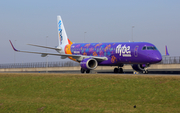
<point x="83" y="71"/>
<point x="119" y="69"/>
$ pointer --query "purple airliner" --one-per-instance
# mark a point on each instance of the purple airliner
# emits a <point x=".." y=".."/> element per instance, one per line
<point x="90" y="55"/>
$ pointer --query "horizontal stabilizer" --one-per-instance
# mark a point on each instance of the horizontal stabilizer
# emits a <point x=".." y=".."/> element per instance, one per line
<point x="43" y="55"/>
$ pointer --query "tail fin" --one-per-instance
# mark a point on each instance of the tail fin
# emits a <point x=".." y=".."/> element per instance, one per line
<point x="166" y="51"/>
<point x="62" y="36"/>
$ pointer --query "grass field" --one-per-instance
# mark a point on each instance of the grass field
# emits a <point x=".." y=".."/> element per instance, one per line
<point x="88" y="93"/>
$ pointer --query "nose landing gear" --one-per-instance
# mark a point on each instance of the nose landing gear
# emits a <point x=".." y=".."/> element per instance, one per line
<point x="145" y="71"/>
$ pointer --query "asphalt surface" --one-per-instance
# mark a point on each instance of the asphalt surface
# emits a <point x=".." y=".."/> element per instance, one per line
<point x="154" y="71"/>
<point x="160" y="72"/>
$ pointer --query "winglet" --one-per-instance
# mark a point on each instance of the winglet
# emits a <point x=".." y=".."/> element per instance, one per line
<point x="166" y="51"/>
<point x="13" y="46"/>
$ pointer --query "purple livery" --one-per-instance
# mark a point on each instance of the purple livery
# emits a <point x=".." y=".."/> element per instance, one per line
<point x="90" y="55"/>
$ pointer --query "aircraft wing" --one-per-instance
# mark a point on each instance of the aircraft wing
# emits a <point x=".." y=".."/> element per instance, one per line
<point x="166" y="52"/>
<point x="77" y="57"/>
<point x="45" y="47"/>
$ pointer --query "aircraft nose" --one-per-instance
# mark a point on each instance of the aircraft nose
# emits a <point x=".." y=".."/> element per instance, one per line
<point x="156" y="58"/>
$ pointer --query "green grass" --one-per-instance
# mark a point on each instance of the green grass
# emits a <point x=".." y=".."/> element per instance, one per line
<point x="88" y="93"/>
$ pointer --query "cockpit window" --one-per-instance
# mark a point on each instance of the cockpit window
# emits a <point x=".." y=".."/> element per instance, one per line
<point x="154" y="48"/>
<point x="149" y="48"/>
<point x="144" y="48"/>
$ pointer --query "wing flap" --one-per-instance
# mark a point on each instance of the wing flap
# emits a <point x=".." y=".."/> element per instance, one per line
<point x="58" y="48"/>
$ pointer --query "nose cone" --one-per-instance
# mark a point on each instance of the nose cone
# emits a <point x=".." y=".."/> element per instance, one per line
<point x="156" y="57"/>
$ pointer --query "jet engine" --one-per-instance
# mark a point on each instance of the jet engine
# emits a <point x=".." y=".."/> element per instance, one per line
<point x="88" y="64"/>
<point x="140" y="68"/>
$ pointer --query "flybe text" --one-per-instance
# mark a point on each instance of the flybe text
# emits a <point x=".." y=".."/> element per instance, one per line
<point x="59" y="26"/>
<point x="60" y="31"/>
<point x="123" y="50"/>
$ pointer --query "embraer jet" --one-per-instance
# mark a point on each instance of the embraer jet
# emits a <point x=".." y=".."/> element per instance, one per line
<point x="90" y="55"/>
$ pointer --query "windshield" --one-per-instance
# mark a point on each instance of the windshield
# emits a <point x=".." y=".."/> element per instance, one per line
<point x="149" y="48"/>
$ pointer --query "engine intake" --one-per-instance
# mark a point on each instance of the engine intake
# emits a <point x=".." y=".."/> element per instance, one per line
<point x="88" y="64"/>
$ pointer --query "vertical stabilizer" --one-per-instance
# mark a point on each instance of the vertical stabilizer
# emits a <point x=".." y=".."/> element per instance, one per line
<point x="166" y="51"/>
<point x="62" y="36"/>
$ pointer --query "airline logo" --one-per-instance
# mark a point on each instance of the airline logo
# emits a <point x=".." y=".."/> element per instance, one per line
<point x="123" y="50"/>
<point x="60" y="31"/>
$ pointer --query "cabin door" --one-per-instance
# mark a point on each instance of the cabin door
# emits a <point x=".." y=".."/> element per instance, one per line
<point x="136" y="51"/>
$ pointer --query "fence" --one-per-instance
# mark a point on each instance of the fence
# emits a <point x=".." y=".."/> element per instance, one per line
<point x="165" y="60"/>
<point x="170" y="60"/>
<point x="40" y="64"/>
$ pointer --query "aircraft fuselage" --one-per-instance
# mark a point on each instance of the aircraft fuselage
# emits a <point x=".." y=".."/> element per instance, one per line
<point x="117" y="53"/>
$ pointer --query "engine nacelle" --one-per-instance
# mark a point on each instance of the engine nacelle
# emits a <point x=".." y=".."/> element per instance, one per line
<point x="89" y="64"/>
<point x="139" y="67"/>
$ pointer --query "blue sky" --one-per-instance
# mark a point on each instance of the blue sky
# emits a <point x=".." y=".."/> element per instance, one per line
<point x="155" y="21"/>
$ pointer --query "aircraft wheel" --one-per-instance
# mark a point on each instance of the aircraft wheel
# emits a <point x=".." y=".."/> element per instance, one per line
<point x="116" y="70"/>
<point x="82" y="70"/>
<point x="145" y="72"/>
<point x="120" y="70"/>
<point x="88" y="71"/>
